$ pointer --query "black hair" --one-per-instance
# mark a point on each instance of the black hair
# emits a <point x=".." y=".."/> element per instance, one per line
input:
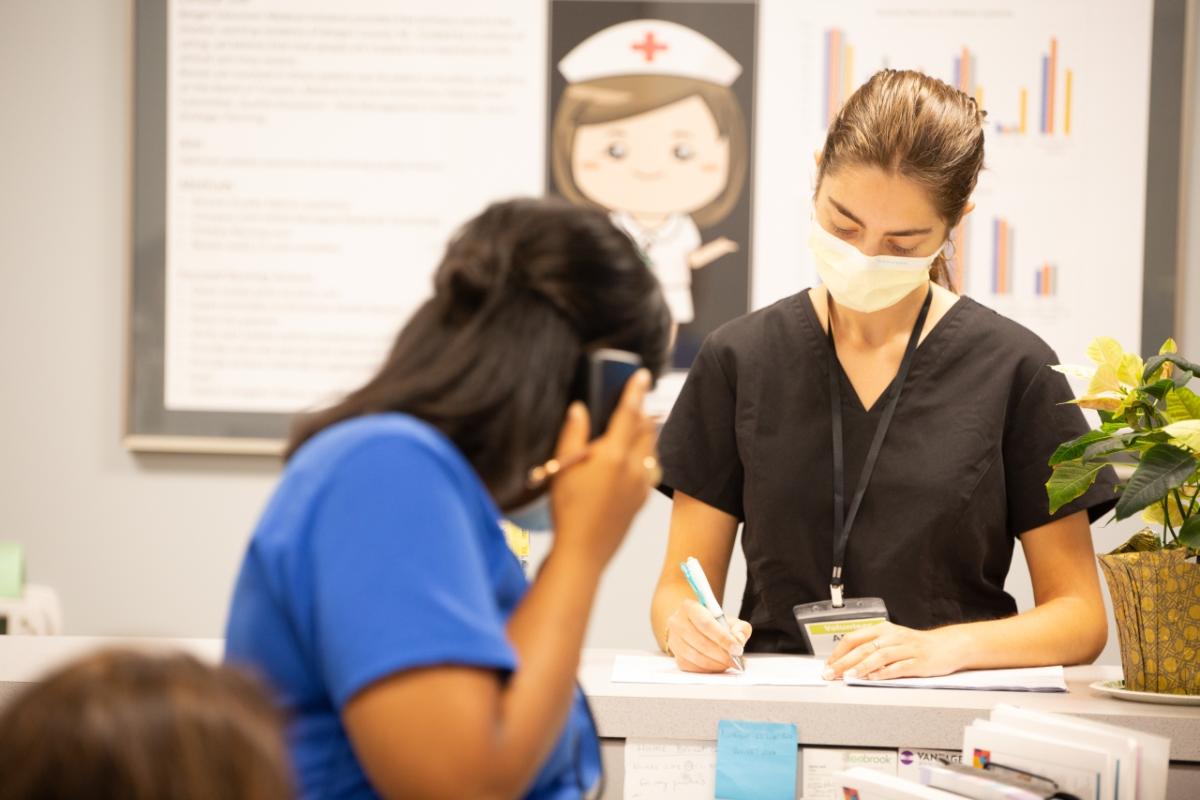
<point x="523" y="292"/>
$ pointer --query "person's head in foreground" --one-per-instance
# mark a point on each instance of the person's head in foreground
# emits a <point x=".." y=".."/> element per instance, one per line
<point x="126" y="725"/>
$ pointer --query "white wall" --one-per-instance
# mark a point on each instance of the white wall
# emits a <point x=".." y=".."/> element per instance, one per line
<point x="149" y="545"/>
<point x="133" y="545"/>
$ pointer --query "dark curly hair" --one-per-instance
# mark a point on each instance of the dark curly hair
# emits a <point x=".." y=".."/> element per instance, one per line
<point x="523" y="292"/>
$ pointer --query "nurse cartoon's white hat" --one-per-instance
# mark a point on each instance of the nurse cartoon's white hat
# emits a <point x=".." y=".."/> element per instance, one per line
<point x="649" y="47"/>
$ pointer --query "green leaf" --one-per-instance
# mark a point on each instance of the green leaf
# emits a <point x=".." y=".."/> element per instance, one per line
<point x="1189" y="534"/>
<point x="1068" y="481"/>
<point x="1158" y="390"/>
<point x="1163" y="467"/>
<point x="1186" y="431"/>
<point x="1076" y="447"/>
<point x="1154" y="362"/>
<point x="1183" y="404"/>
<point x="1107" y="447"/>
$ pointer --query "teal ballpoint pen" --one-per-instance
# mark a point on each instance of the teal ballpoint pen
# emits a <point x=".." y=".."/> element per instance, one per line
<point x="704" y="593"/>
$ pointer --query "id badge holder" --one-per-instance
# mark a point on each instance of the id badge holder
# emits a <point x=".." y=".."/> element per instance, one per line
<point x="824" y="624"/>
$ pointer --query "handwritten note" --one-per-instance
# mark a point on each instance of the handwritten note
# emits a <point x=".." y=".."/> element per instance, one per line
<point x="660" y="768"/>
<point x="756" y="760"/>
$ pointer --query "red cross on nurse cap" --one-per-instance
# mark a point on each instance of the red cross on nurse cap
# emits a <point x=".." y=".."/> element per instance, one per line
<point x="649" y="47"/>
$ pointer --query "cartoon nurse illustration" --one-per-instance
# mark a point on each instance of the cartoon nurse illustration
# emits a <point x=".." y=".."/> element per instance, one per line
<point x="649" y="130"/>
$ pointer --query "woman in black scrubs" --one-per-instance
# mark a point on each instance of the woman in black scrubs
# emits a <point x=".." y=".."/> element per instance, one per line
<point x="962" y="401"/>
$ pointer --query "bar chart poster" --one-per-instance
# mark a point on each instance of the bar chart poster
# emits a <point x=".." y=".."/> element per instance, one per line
<point x="1059" y="218"/>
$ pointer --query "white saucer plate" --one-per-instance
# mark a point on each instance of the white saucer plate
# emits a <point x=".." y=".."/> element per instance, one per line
<point x="1117" y="689"/>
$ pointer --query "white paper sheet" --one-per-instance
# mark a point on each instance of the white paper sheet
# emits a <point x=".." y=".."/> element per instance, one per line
<point x="1028" y="679"/>
<point x="763" y="670"/>
<point x="318" y="157"/>
<point x="659" y="768"/>
<point x="822" y="765"/>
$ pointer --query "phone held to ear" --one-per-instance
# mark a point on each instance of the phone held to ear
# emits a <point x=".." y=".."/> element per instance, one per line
<point x="604" y="374"/>
<point x="607" y="373"/>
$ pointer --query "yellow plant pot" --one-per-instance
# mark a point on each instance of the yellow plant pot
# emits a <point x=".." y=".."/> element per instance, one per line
<point x="1156" y="602"/>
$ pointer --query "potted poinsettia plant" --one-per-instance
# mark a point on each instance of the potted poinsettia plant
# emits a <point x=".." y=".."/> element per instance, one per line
<point x="1150" y="433"/>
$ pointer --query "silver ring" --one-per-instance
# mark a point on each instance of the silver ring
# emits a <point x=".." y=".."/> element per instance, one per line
<point x="876" y="643"/>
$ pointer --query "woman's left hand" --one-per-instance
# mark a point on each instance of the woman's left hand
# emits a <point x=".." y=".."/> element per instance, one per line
<point x="893" y="651"/>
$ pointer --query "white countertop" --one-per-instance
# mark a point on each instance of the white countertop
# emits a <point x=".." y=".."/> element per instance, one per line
<point x="834" y="715"/>
<point x="839" y="715"/>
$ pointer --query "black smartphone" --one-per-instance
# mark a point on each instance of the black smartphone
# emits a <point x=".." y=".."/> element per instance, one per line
<point x="607" y="373"/>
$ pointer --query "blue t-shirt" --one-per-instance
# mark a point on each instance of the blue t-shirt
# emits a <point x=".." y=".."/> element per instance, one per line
<point x="380" y="552"/>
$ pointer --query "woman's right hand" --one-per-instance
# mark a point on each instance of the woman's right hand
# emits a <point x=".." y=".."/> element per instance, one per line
<point x="699" y="643"/>
<point x="594" y="502"/>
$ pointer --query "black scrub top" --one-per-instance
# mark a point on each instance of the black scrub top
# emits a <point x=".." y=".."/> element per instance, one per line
<point x="962" y="471"/>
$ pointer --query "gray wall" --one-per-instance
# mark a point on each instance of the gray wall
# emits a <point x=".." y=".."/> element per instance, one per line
<point x="1188" y="309"/>
<point x="141" y="545"/>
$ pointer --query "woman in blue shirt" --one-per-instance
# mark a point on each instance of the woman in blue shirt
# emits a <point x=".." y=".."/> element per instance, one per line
<point x="378" y="594"/>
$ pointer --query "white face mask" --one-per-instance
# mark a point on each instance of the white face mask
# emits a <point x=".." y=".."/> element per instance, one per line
<point x="861" y="282"/>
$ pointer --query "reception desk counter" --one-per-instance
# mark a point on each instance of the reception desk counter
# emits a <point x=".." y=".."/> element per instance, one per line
<point x="829" y="716"/>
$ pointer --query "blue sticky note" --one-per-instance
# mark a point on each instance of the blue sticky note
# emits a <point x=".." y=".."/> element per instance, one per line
<point x="756" y="760"/>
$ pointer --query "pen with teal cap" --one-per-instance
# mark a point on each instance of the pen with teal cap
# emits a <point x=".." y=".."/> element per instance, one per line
<point x="704" y="593"/>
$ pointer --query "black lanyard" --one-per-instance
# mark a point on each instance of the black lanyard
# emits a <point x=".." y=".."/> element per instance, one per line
<point x="843" y="521"/>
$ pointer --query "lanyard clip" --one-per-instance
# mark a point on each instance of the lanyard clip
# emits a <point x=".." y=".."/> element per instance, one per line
<point x="836" y="589"/>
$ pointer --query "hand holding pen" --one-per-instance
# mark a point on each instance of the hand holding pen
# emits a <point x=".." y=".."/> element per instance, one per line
<point x="711" y="626"/>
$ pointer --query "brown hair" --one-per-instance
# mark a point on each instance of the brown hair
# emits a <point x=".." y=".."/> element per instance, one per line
<point x="910" y="124"/>
<point x="611" y="99"/>
<point x="134" y="726"/>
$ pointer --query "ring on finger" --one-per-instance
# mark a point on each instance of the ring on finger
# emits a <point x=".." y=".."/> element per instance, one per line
<point x="654" y="470"/>
<point x="876" y="643"/>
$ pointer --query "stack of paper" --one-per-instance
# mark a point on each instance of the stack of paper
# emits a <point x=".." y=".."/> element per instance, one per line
<point x="761" y="670"/>
<point x="1087" y="759"/>
<point x="1032" y="679"/>
<point x="1029" y="755"/>
<point x="866" y="784"/>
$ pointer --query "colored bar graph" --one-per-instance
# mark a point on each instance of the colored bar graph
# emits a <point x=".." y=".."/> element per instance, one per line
<point x="1045" y="90"/>
<point x="1050" y="92"/>
<point x="1046" y="281"/>
<point x="839" y="72"/>
<point x="966" y="71"/>
<point x="847" y="72"/>
<point x="1002" y="256"/>
<point x="1067" y="106"/>
<point x="1053" y="85"/>
<point x="1054" y="97"/>
<point x="958" y="266"/>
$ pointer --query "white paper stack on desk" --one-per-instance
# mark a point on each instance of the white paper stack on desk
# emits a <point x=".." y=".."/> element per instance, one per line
<point x="1027" y="679"/>
<point x="1028" y="755"/>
